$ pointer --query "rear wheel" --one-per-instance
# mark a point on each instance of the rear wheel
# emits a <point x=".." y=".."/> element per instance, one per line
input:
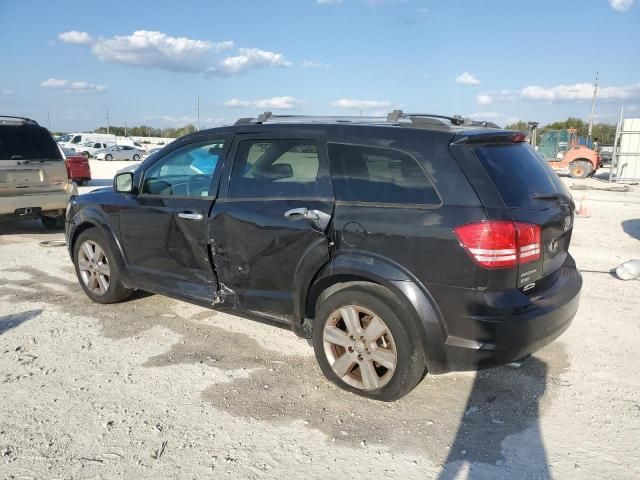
<point x="108" y="157"/>
<point x="136" y="157"/>
<point x="80" y="182"/>
<point x="366" y="343"/>
<point x="86" y="155"/>
<point x="53" y="223"/>
<point x="580" y="169"/>
<point x="97" y="269"/>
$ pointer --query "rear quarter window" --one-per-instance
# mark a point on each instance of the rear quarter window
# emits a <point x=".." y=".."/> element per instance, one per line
<point x="379" y="175"/>
<point x="27" y="142"/>
<point x="518" y="172"/>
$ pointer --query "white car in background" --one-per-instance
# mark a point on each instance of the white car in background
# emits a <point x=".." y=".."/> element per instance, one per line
<point x="89" y="149"/>
<point x="119" y="152"/>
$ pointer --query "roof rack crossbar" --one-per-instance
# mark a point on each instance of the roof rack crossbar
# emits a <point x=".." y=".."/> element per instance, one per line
<point x="394" y="117"/>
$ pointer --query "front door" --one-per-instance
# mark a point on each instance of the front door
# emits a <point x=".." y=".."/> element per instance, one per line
<point x="270" y="224"/>
<point x="164" y="228"/>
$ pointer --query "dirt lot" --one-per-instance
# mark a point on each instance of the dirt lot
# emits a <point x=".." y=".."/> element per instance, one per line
<point x="157" y="388"/>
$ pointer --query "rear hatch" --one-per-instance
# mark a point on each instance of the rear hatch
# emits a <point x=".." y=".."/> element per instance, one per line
<point x="30" y="160"/>
<point x="536" y="201"/>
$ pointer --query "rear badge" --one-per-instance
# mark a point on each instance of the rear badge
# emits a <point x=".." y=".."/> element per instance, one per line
<point x="567" y="223"/>
<point x="528" y="287"/>
<point x="553" y="245"/>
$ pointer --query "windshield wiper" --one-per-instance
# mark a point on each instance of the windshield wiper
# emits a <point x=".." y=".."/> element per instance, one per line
<point x="552" y="196"/>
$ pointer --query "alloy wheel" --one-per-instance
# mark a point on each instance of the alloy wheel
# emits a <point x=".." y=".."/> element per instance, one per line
<point x="94" y="268"/>
<point x="359" y="347"/>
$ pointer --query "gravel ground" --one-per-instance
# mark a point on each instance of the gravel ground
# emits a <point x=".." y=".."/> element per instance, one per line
<point x="157" y="388"/>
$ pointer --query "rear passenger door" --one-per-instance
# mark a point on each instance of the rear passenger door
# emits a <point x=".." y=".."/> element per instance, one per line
<point x="271" y="221"/>
<point x="387" y="206"/>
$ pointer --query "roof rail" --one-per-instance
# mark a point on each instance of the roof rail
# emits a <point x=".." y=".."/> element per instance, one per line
<point x="268" y="117"/>
<point x="24" y="119"/>
<point x="397" y="117"/>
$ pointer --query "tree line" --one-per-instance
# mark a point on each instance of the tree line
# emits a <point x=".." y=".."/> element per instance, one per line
<point x="603" y="133"/>
<point x="146" y="131"/>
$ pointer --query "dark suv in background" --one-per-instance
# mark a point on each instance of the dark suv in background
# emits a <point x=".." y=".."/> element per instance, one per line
<point x="400" y="245"/>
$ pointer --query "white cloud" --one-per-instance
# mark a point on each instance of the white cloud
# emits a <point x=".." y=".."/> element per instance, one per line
<point x="247" y="59"/>
<point x="579" y="92"/>
<point x="146" y="48"/>
<point x="75" y="37"/>
<point x="487" y="98"/>
<point x="467" y="79"/>
<point x="153" y="49"/>
<point x="318" y="65"/>
<point x="73" y="86"/>
<point x="360" y="104"/>
<point x="621" y="5"/>
<point x="6" y="91"/>
<point x="274" y="103"/>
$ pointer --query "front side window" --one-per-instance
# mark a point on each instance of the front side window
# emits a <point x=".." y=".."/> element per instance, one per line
<point x="76" y="139"/>
<point x="379" y="175"/>
<point x="187" y="171"/>
<point x="279" y="169"/>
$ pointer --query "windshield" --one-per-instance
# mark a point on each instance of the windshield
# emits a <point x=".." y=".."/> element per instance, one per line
<point x="26" y="143"/>
<point x="519" y="173"/>
<point x="66" y="138"/>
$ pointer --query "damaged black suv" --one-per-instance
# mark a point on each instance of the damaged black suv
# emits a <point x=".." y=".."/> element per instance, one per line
<point x="400" y="245"/>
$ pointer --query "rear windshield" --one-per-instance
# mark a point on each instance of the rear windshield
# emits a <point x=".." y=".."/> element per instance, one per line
<point x="519" y="172"/>
<point x="21" y="142"/>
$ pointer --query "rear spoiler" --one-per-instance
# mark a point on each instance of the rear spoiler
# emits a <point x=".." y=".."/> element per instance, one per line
<point x="492" y="136"/>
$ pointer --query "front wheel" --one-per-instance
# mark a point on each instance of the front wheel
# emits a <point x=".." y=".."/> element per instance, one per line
<point x="97" y="270"/>
<point x="580" y="169"/>
<point x="366" y="343"/>
<point x="136" y="157"/>
<point x="108" y="157"/>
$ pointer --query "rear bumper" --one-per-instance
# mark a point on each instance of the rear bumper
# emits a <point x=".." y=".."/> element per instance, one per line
<point x="39" y="202"/>
<point x="510" y="325"/>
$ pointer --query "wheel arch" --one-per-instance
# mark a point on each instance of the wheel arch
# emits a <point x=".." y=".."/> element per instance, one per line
<point x="89" y="218"/>
<point x="358" y="268"/>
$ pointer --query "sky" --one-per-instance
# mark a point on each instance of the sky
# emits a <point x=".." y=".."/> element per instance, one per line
<point x="66" y="63"/>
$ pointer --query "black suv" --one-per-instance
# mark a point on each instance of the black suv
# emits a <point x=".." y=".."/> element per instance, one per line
<point x="400" y="245"/>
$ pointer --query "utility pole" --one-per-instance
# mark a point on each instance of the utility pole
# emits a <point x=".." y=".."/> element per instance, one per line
<point x="125" y="128"/>
<point x="593" y="108"/>
<point x="108" y="126"/>
<point x="49" y="120"/>
<point x="198" y="111"/>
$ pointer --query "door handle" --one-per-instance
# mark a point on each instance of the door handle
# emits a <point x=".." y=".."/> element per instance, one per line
<point x="318" y="218"/>
<point x="300" y="213"/>
<point x="190" y="215"/>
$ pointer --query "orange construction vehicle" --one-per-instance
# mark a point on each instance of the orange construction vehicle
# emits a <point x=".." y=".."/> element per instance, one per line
<point x="561" y="148"/>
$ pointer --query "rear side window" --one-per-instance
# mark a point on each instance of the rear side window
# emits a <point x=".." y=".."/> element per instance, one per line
<point x="380" y="175"/>
<point x="518" y="173"/>
<point x="279" y="169"/>
<point x="24" y="142"/>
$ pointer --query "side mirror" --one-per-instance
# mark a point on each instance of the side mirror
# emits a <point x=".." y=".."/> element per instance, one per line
<point x="123" y="182"/>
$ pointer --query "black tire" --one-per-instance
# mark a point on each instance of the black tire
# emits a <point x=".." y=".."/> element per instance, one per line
<point x="410" y="361"/>
<point x="116" y="292"/>
<point x="580" y="169"/>
<point x="86" y="155"/>
<point x="136" y="157"/>
<point x="79" y="182"/>
<point x="53" y="223"/>
<point x="108" y="157"/>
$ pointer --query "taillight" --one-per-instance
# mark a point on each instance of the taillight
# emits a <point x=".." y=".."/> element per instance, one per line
<point x="519" y="138"/>
<point x="498" y="244"/>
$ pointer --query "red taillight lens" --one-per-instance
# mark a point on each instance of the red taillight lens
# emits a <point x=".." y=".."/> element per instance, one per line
<point x="528" y="238"/>
<point x="500" y="244"/>
<point x="519" y="138"/>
